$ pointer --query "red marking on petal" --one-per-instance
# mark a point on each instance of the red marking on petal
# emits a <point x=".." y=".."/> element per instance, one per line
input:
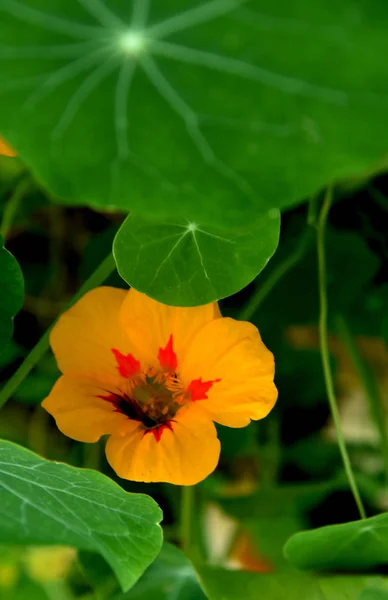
<point x="127" y="365"/>
<point x="167" y="357"/>
<point x="198" y="389"/>
<point x="157" y="431"/>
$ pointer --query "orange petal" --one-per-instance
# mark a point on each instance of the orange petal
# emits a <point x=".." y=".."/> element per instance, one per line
<point x="183" y="456"/>
<point x="232" y="352"/>
<point x="149" y="324"/>
<point x="78" y="411"/>
<point x="6" y="150"/>
<point x="85" y="336"/>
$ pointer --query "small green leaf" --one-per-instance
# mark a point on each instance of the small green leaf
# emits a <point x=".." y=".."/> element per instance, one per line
<point x="188" y="264"/>
<point x="43" y="502"/>
<point x="12" y="293"/>
<point x="170" y="577"/>
<point x="350" y="546"/>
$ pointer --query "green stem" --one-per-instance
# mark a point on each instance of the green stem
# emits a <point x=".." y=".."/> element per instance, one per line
<point x="12" y="206"/>
<point x="368" y="382"/>
<point x="324" y="347"/>
<point x="279" y="271"/>
<point x="187" y="506"/>
<point x="96" y="278"/>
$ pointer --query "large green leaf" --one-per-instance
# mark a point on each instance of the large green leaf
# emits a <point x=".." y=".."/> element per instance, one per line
<point x="44" y="502"/>
<point x="12" y="292"/>
<point x="188" y="264"/>
<point x="211" y="111"/>
<point x="350" y="546"/>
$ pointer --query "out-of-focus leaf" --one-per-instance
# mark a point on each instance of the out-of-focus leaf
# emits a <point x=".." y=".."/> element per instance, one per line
<point x="349" y="587"/>
<point x="24" y="590"/>
<point x="11" y="296"/>
<point x="353" y="546"/>
<point x="178" y="111"/>
<point x="229" y="585"/>
<point x="374" y="594"/>
<point x="170" y="577"/>
<point x="44" y="502"/>
<point x="188" y="264"/>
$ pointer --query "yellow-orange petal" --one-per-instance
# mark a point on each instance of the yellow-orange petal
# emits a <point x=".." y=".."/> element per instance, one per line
<point x="183" y="456"/>
<point x="84" y="336"/>
<point x="5" y="149"/>
<point x="149" y="324"/>
<point x="78" y="411"/>
<point x="233" y="352"/>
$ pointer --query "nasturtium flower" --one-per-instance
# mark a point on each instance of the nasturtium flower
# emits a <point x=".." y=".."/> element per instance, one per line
<point x="155" y="378"/>
<point x="6" y="150"/>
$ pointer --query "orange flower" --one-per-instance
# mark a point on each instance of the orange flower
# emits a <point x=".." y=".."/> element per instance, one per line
<point x="5" y="149"/>
<point x="154" y="378"/>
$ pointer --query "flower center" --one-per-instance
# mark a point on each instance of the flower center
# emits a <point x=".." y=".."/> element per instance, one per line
<point x="154" y="396"/>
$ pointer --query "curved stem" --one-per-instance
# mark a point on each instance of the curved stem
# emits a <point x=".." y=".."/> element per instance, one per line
<point x="369" y="384"/>
<point x="96" y="278"/>
<point x="187" y="506"/>
<point x="12" y="206"/>
<point x="324" y="347"/>
<point x="279" y="271"/>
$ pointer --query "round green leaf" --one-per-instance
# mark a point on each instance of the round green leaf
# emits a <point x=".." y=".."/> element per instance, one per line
<point x="353" y="546"/>
<point x="218" y="109"/>
<point x="43" y="502"/>
<point x="12" y="293"/>
<point x="187" y="263"/>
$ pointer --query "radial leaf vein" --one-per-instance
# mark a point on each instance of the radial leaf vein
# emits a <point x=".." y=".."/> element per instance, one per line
<point x="200" y="14"/>
<point x="140" y="14"/>
<point x="103" y="15"/>
<point x="66" y="73"/>
<point x="49" y="22"/>
<point x="241" y="68"/>
<point x="201" y="258"/>
<point x="122" y="92"/>
<point x="168" y="256"/>
<point x="81" y="95"/>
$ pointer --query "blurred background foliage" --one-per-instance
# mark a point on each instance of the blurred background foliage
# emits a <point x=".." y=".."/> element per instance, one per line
<point x="277" y="476"/>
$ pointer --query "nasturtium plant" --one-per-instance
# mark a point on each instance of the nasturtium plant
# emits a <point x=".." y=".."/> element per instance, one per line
<point x="12" y="292"/>
<point x="194" y="260"/>
<point x="51" y="503"/>
<point x="186" y="263"/>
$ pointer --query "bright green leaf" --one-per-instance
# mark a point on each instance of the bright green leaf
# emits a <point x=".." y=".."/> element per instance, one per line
<point x="11" y="296"/>
<point x="350" y="546"/>
<point x="187" y="264"/>
<point x="179" y="110"/>
<point x="44" y="502"/>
